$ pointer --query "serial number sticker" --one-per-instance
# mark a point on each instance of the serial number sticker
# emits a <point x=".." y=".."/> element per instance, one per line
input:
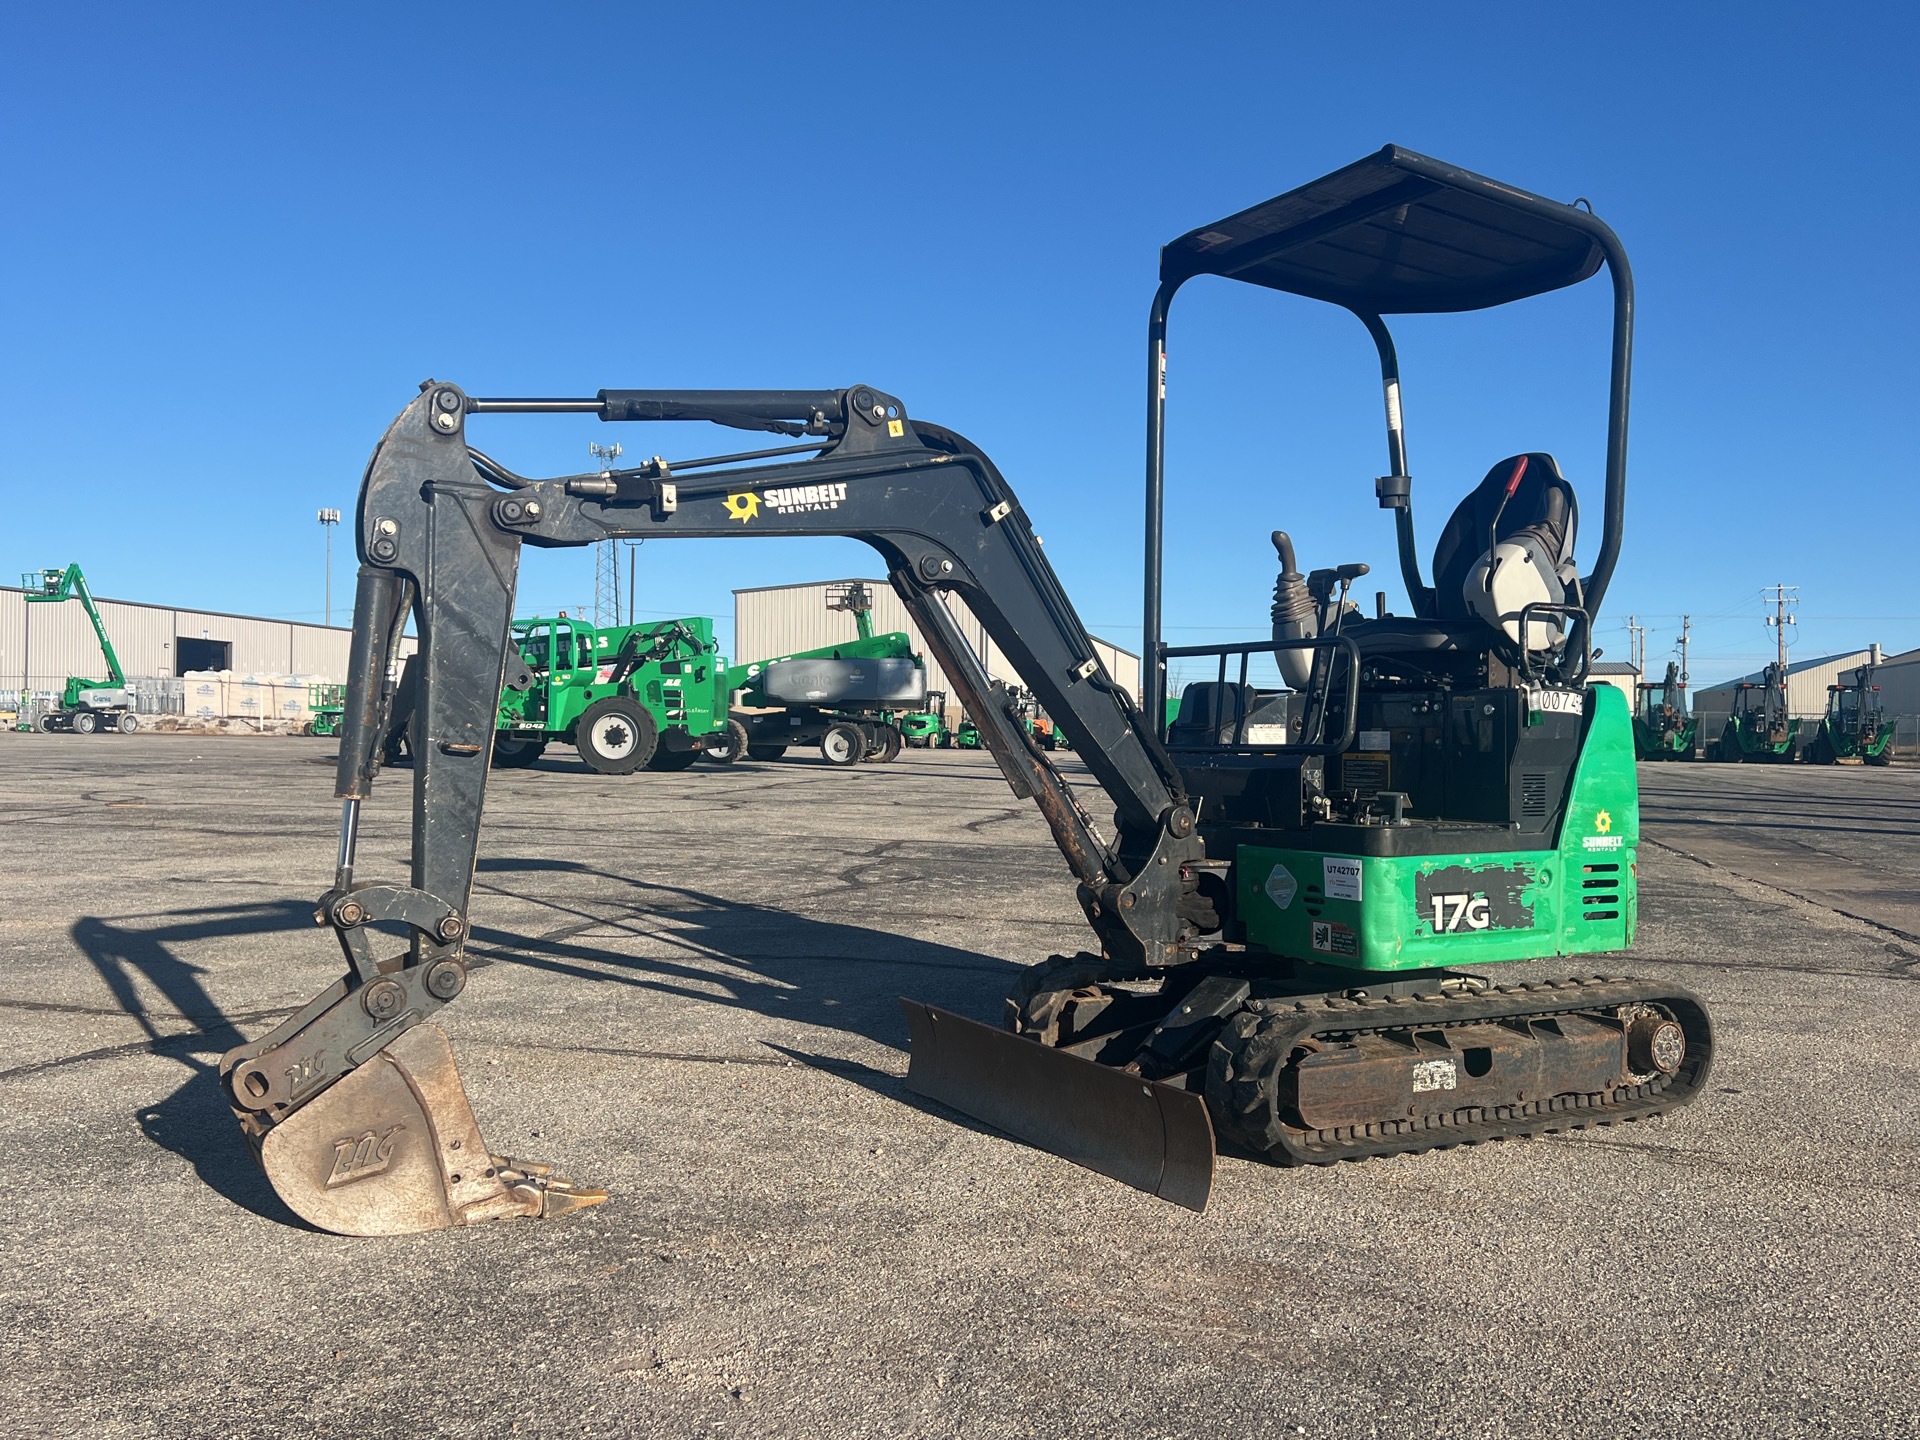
<point x="1435" y="1075"/>
<point x="1340" y="879"/>
<point x="1557" y="702"/>
<point x="1374" y="740"/>
<point x="1453" y="913"/>
<point x="1330" y="938"/>
<point x="1266" y="734"/>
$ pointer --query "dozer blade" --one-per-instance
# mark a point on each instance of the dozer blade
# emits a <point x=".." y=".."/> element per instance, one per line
<point x="1150" y="1136"/>
<point x="392" y="1148"/>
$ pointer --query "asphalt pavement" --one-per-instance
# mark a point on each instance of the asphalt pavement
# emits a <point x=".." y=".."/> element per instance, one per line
<point x="688" y="996"/>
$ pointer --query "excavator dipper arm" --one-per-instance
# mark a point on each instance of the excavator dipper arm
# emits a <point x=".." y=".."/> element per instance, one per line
<point x="354" y="1103"/>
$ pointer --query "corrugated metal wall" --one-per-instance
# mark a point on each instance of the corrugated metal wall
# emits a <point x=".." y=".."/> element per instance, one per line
<point x="779" y="620"/>
<point x="44" y="644"/>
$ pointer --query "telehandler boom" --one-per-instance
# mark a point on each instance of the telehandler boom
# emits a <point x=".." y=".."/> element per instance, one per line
<point x="1294" y="872"/>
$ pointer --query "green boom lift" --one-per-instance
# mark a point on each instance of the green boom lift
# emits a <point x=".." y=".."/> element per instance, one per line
<point x="848" y="699"/>
<point x="86" y="706"/>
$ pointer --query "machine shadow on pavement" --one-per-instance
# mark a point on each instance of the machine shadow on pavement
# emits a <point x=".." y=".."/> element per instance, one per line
<point x="194" y="1122"/>
<point x="775" y="962"/>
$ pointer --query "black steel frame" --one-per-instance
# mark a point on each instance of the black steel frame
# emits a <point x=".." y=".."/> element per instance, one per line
<point x="1394" y="490"/>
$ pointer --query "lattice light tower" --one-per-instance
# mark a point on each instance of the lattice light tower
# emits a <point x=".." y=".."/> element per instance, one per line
<point x="606" y="555"/>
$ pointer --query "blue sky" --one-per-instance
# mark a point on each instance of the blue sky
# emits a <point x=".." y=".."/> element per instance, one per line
<point x="236" y="238"/>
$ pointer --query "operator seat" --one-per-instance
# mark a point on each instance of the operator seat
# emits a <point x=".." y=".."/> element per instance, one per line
<point x="1542" y="512"/>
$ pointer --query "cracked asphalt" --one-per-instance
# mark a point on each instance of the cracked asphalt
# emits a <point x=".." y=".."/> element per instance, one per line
<point x="688" y="996"/>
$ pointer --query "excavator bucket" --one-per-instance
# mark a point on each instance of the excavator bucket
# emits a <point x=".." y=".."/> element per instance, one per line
<point x="392" y="1148"/>
<point x="1153" y="1137"/>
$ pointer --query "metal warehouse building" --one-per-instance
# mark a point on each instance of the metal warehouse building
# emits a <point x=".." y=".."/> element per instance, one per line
<point x="41" y="645"/>
<point x="780" y="619"/>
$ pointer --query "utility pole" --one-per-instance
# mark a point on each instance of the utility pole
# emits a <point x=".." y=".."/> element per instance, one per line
<point x="1637" y="645"/>
<point x="329" y="519"/>
<point x="1686" y="634"/>
<point x="606" y="554"/>
<point x="1784" y="598"/>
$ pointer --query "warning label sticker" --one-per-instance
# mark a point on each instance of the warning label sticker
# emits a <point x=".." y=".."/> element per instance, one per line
<point x="1333" y="939"/>
<point x="1281" y="886"/>
<point x="1435" y="1075"/>
<point x="1340" y="878"/>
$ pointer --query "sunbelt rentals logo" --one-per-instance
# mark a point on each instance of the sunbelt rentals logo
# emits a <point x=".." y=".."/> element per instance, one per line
<point x="785" y="500"/>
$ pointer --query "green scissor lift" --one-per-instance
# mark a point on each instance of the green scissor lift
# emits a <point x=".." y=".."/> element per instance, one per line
<point x="86" y="706"/>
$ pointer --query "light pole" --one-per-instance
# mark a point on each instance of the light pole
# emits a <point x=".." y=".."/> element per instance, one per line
<point x="329" y="519"/>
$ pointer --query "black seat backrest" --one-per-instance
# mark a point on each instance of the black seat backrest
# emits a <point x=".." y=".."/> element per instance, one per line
<point x="1210" y="713"/>
<point x="1543" y="500"/>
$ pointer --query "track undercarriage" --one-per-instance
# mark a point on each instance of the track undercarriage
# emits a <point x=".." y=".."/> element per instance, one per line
<point x="1308" y="1074"/>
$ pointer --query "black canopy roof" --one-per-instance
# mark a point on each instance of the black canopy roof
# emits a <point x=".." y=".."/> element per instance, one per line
<point x="1397" y="233"/>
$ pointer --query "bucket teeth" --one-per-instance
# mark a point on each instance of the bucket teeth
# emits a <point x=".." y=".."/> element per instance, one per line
<point x="555" y="1197"/>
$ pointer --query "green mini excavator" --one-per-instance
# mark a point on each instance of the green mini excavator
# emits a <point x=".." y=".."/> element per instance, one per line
<point x="1312" y="876"/>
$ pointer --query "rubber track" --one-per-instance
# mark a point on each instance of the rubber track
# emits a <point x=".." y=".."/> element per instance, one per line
<point x="1336" y="1019"/>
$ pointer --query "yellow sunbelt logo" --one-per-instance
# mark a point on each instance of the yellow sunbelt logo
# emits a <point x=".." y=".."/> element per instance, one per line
<point x="1603" y="822"/>
<point x="785" y="500"/>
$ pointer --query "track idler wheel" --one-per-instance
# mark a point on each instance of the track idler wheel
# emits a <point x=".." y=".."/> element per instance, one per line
<point x="392" y="1148"/>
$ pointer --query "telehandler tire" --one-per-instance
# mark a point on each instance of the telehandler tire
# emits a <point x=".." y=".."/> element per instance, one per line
<point x="843" y="744"/>
<point x="129" y="723"/>
<point x="665" y="760"/>
<point x="765" y="752"/>
<point x="615" y="736"/>
<point x="85" y="722"/>
<point x="728" y="745"/>
<point x="516" y="754"/>
<point x="889" y="747"/>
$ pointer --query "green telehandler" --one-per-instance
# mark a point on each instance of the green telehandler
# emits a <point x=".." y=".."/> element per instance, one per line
<point x="624" y="696"/>
<point x="86" y="706"/>
<point x="1856" y="729"/>
<point x="1662" y="729"/>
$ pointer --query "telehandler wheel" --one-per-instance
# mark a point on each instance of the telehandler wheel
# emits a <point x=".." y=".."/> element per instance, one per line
<point x="889" y="747"/>
<point x="129" y="723"/>
<point x="728" y="745"/>
<point x="765" y="752"/>
<point x="615" y="736"/>
<point x="44" y="724"/>
<point x="516" y="754"/>
<point x="843" y="744"/>
<point x="85" y="722"/>
<point x="670" y="760"/>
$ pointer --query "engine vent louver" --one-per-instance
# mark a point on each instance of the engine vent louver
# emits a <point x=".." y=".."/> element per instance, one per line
<point x="1599" y="892"/>
<point x="1533" y="795"/>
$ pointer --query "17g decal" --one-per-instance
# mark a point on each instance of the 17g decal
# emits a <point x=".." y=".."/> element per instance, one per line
<point x="1454" y="913"/>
